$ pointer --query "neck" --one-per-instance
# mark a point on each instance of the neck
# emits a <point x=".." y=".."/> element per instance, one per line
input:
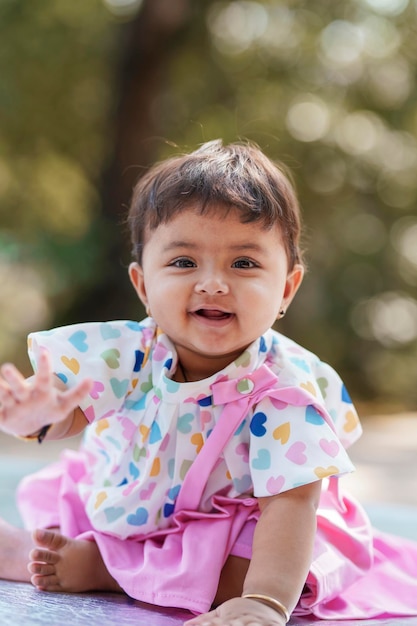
<point x="193" y="367"/>
<point x="183" y="373"/>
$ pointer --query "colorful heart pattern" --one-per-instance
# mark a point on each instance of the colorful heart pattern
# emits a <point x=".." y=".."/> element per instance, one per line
<point x="148" y="428"/>
<point x="257" y="424"/>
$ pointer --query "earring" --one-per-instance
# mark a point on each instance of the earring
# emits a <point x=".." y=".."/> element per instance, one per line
<point x="282" y="313"/>
<point x="148" y="311"/>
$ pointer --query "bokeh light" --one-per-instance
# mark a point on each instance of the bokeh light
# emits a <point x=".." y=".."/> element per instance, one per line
<point x="123" y="8"/>
<point x="387" y="7"/>
<point x="235" y="26"/>
<point x="308" y="118"/>
<point x="390" y="318"/>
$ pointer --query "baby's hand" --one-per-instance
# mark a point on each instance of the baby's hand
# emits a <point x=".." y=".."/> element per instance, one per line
<point x="239" y="612"/>
<point x="26" y="405"/>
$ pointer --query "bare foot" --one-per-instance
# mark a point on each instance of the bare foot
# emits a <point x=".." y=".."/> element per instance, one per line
<point x="59" y="563"/>
<point x="15" y="545"/>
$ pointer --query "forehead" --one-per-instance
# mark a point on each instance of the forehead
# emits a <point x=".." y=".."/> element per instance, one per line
<point x="217" y="229"/>
<point x="213" y="217"/>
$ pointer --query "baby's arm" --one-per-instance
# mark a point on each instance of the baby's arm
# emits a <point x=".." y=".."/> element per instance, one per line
<point x="282" y="554"/>
<point x="27" y="405"/>
<point x="283" y="544"/>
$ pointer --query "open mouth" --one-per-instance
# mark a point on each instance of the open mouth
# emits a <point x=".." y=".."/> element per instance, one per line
<point x="213" y="314"/>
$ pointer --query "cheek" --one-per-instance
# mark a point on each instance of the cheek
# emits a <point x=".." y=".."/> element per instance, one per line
<point x="163" y="292"/>
<point x="265" y="300"/>
<point x="268" y="290"/>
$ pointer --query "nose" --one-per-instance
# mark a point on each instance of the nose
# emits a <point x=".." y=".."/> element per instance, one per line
<point x="212" y="284"/>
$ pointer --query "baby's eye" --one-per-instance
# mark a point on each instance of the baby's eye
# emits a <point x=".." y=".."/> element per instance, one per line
<point x="182" y="262"/>
<point x="244" y="263"/>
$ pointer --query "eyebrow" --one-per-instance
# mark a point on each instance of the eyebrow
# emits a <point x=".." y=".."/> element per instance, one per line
<point x="248" y="246"/>
<point x="190" y="245"/>
<point x="179" y="244"/>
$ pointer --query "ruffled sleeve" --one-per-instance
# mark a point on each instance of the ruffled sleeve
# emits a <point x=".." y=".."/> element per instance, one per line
<point x="336" y="399"/>
<point x="292" y="446"/>
<point x="110" y="353"/>
<point x="293" y="443"/>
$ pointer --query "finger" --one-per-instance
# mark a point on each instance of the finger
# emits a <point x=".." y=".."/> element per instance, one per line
<point x="207" y="619"/>
<point x="72" y="397"/>
<point x="7" y="400"/>
<point x="4" y="390"/>
<point x="44" y="376"/>
<point x="17" y="384"/>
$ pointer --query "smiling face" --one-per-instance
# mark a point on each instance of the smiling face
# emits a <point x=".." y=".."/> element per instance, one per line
<point x="213" y="284"/>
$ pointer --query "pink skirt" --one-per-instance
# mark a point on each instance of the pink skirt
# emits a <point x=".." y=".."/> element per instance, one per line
<point x="357" y="572"/>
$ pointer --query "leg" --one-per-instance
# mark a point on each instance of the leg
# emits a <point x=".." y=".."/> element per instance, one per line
<point x="229" y="607"/>
<point x="15" y="545"/>
<point x="59" y="563"/>
<point x="231" y="579"/>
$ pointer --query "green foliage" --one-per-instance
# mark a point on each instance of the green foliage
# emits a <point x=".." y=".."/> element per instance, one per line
<point x="55" y="64"/>
<point x="326" y="87"/>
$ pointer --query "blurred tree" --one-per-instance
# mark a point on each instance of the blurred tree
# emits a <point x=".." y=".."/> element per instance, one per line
<point x="147" y="43"/>
<point x="93" y="93"/>
<point x="55" y="66"/>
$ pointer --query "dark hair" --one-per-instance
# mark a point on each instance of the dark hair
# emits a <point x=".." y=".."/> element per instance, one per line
<point x="238" y="175"/>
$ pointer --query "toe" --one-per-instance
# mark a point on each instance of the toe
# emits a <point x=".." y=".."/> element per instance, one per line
<point x="49" y="539"/>
<point x="44" y="556"/>
<point x="41" y="569"/>
<point x="45" y="583"/>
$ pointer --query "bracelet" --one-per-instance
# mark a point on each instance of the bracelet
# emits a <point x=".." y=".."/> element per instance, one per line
<point x="272" y="602"/>
<point x="40" y="435"/>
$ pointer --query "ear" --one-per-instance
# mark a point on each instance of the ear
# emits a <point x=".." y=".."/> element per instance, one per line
<point x="138" y="282"/>
<point x="292" y="284"/>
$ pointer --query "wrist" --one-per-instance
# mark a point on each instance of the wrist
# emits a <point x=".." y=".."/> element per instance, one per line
<point x="273" y="603"/>
<point x="39" y="435"/>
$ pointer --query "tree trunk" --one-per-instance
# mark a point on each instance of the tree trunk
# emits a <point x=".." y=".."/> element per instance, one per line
<point x="147" y="45"/>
